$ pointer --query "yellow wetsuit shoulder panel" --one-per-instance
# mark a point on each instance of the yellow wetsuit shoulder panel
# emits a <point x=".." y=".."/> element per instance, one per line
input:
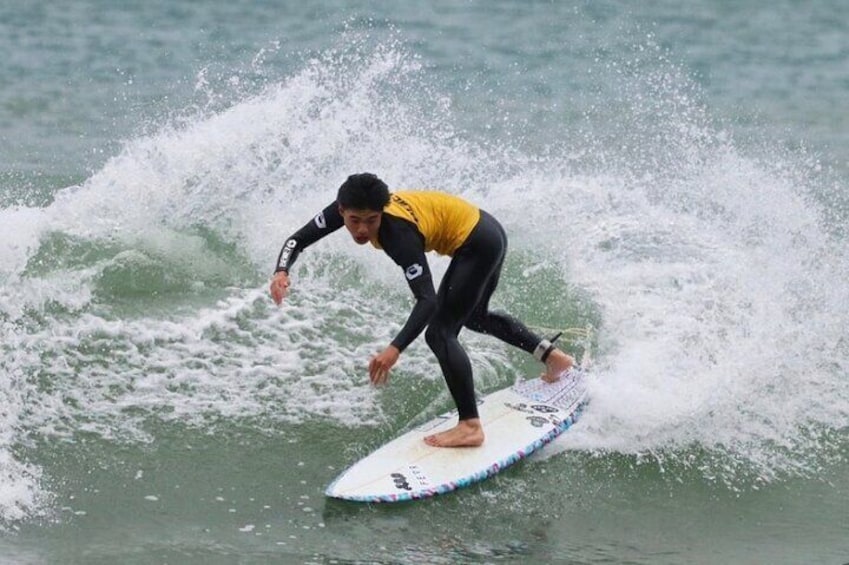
<point x="443" y="219"/>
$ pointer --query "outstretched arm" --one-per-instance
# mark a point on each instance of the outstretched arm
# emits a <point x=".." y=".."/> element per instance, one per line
<point x="422" y="287"/>
<point x="407" y="250"/>
<point x="326" y="222"/>
<point x="406" y="247"/>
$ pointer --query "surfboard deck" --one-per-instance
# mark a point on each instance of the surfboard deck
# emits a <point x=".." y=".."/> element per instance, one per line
<point x="517" y="421"/>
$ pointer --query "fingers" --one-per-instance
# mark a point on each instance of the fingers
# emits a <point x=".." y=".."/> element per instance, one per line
<point x="377" y="372"/>
<point x="380" y="364"/>
<point x="279" y="287"/>
<point x="277" y="293"/>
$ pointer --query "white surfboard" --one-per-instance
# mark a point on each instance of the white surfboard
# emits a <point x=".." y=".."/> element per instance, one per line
<point x="517" y="421"/>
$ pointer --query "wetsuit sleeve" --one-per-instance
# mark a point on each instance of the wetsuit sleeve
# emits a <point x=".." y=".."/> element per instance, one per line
<point x="326" y="222"/>
<point x="406" y="248"/>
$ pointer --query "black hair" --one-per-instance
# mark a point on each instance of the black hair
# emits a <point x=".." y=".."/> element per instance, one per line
<point x="363" y="191"/>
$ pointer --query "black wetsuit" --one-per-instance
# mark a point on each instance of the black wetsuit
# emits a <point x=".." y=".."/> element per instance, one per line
<point x="462" y="299"/>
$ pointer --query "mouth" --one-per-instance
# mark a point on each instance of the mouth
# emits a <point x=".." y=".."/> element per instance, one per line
<point x="361" y="240"/>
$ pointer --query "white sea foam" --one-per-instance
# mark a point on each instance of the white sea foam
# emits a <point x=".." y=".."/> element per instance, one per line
<point x="724" y="302"/>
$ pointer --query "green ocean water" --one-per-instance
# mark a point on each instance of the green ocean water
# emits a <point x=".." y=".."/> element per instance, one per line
<point x="673" y="175"/>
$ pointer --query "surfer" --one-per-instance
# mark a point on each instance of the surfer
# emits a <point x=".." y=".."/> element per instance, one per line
<point x="406" y="225"/>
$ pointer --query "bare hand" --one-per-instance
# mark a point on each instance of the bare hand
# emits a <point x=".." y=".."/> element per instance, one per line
<point x="279" y="287"/>
<point x="380" y="364"/>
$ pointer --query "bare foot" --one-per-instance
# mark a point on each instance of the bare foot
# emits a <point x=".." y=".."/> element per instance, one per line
<point x="556" y="364"/>
<point x="467" y="433"/>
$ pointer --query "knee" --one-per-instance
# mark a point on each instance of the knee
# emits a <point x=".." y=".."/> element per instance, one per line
<point x="476" y="324"/>
<point x="434" y="338"/>
<point x="438" y="338"/>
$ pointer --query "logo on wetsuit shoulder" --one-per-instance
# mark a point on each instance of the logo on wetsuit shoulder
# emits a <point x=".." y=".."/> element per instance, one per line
<point x="320" y="221"/>
<point x="413" y="271"/>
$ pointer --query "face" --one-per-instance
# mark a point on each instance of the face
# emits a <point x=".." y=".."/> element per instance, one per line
<point x="362" y="224"/>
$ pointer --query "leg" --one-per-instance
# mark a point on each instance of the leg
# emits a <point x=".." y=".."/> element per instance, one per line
<point x="461" y="289"/>
<point x="500" y="324"/>
<point x="510" y="330"/>
<point x="457" y="370"/>
<point x="503" y="326"/>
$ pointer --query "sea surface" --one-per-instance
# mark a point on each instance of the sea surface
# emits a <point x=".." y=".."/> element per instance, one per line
<point x="673" y="175"/>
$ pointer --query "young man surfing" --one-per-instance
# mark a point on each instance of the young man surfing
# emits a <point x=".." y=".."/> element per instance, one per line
<point x="406" y="225"/>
